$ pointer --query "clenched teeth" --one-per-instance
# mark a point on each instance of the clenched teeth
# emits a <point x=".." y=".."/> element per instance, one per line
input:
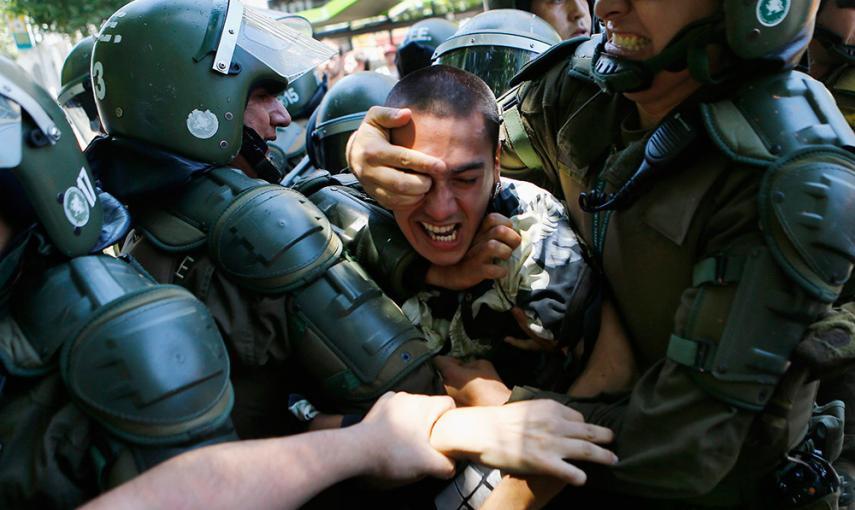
<point x="629" y="42"/>
<point x="441" y="233"/>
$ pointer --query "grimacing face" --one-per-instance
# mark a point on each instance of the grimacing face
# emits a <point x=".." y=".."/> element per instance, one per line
<point x="570" y="18"/>
<point x="443" y="224"/>
<point x="641" y="29"/>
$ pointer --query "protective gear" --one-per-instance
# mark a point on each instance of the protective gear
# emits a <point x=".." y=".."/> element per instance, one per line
<point x="807" y="245"/>
<point x="340" y="114"/>
<point x="254" y="149"/>
<point x="348" y="334"/>
<point x="88" y="338"/>
<point x="220" y="49"/>
<point x="146" y="361"/>
<point x="773" y="33"/>
<point x="76" y="96"/>
<point x="418" y="46"/>
<point x="369" y="233"/>
<point x="495" y="45"/>
<point x="304" y="95"/>
<point x="171" y="361"/>
<point x="43" y="176"/>
<point x="694" y="240"/>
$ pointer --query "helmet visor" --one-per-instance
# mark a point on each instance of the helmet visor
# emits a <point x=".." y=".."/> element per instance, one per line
<point x="282" y="45"/>
<point x="496" y="65"/>
<point x="82" y="113"/>
<point x="10" y="133"/>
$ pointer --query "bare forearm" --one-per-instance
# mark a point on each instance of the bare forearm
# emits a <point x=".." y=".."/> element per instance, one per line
<point x="271" y="473"/>
<point x="457" y="434"/>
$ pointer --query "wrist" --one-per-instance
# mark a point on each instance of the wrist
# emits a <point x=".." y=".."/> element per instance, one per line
<point x="362" y="450"/>
<point x="457" y="433"/>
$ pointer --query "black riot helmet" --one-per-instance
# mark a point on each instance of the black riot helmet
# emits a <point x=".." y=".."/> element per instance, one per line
<point x="496" y="44"/>
<point x="340" y="114"/>
<point x="422" y="39"/>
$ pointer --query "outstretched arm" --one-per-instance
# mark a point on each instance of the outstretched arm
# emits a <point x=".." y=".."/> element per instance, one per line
<point x="392" y="442"/>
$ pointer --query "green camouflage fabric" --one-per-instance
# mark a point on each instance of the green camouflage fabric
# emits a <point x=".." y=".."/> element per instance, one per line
<point x="542" y="279"/>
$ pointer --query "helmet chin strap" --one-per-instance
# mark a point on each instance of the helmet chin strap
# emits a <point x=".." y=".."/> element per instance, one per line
<point x="254" y="150"/>
<point x="833" y="44"/>
<point x="686" y="50"/>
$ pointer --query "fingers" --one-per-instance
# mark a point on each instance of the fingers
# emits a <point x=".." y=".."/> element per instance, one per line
<point x="390" y="199"/>
<point x="388" y="118"/>
<point x="577" y="449"/>
<point x="494" y="220"/>
<point x="390" y="173"/>
<point x="440" y="404"/>
<point x="495" y="226"/>
<point x="565" y="472"/>
<point x="586" y="432"/>
<point x="402" y="158"/>
<point x="486" y="253"/>
<point x="438" y="465"/>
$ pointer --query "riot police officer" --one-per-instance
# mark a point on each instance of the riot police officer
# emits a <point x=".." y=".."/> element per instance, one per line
<point x="340" y="114"/>
<point x="672" y="160"/>
<point x="496" y="44"/>
<point x="300" y="98"/>
<point x="422" y="39"/>
<point x="263" y="258"/>
<point x="103" y="372"/>
<point x="76" y="96"/>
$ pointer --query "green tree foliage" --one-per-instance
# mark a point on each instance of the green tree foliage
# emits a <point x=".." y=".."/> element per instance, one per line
<point x="65" y="16"/>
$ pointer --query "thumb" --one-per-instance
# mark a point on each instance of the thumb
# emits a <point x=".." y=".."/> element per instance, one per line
<point x="388" y="118"/>
<point x="439" y="466"/>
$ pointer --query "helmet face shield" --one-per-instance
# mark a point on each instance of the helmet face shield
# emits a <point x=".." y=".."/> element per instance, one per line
<point x="10" y="133"/>
<point x="495" y="65"/>
<point x="496" y="44"/>
<point x="85" y="127"/>
<point x="83" y="115"/>
<point x="282" y="45"/>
